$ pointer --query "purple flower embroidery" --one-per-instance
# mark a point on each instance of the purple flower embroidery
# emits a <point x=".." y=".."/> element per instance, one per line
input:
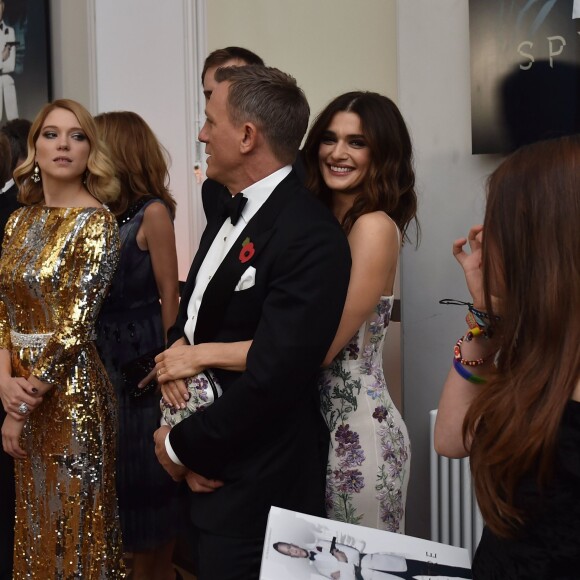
<point x="345" y="436"/>
<point x="352" y="349"/>
<point x="343" y="388"/>
<point x="348" y="449"/>
<point x="380" y="413"/>
<point x="351" y="481"/>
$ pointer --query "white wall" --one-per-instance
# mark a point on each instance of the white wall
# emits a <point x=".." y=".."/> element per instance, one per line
<point x="329" y="46"/>
<point x="434" y="96"/>
<point x="72" y="70"/>
<point x="145" y="64"/>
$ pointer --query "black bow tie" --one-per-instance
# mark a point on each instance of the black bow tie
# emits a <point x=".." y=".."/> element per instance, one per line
<point x="233" y="207"/>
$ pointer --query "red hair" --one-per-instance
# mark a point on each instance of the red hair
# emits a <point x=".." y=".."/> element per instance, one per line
<point x="531" y="250"/>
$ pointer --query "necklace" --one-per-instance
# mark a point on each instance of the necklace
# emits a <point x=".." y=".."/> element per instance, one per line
<point x="133" y="209"/>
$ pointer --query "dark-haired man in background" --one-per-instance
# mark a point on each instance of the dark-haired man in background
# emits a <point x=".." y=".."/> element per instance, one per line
<point x="229" y="56"/>
<point x="212" y="193"/>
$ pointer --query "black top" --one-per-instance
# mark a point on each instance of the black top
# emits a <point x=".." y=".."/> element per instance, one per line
<point x="548" y="547"/>
<point x="8" y="204"/>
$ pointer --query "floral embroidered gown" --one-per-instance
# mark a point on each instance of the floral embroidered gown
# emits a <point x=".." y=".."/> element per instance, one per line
<point x="369" y="457"/>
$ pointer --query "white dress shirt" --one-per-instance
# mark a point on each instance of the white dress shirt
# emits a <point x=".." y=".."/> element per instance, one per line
<point x="257" y="194"/>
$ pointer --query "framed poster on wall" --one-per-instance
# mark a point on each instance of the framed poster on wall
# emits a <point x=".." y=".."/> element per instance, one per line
<point x="25" y="73"/>
<point x="525" y="71"/>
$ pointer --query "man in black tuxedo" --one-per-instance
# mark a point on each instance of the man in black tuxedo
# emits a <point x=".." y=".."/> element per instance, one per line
<point x="261" y="438"/>
<point x="15" y="132"/>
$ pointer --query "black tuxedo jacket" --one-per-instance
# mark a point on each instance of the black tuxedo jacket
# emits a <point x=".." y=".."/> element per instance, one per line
<point x="262" y="437"/>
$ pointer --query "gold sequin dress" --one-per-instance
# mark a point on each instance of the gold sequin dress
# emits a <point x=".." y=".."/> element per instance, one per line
<point x="55" y="270"/>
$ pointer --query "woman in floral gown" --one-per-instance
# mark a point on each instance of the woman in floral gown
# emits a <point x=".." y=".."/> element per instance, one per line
<point x="358" y="158"/>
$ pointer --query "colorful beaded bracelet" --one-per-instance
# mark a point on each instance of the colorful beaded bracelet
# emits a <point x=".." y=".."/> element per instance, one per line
<point x="473" y="332"/>
<point x="478" y="314"/>
<point x="475" y="328"/>
<point x="465" y="374"/>
<point x="481" y="316"/>
<point x="459" y="358"/>
<point x="479" y="322"/>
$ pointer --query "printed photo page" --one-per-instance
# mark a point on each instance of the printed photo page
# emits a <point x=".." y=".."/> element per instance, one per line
<point x="299" y="546"/>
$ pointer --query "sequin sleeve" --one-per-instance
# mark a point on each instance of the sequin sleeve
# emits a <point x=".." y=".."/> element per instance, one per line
<point x="89" y="269"/>
<point x="4" y="320"/>
<point x="4" y="328"/>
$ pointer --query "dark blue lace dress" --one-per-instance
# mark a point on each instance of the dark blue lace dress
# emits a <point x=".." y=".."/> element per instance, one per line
<point x="130" y="325"/>
<point x="548" y="548"/>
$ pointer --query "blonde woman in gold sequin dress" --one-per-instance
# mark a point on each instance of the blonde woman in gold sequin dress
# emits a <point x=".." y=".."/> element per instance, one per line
<point x="59" y="254"/>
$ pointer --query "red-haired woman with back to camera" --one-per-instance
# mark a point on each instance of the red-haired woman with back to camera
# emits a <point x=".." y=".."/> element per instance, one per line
<point x="512" y="399"/>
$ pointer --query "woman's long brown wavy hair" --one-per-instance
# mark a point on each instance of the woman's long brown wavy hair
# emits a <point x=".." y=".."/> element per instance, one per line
<point x="531" y="257"/>
<point x="140" y="159"/>
<point x="390" y="184"/>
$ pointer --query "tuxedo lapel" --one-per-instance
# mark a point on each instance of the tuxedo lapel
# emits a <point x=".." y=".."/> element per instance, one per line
<point x="222" y="286"/>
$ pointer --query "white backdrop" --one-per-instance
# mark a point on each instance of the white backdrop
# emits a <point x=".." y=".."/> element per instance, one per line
<point x="434" y="96"/>
<point x="145" y="63"/>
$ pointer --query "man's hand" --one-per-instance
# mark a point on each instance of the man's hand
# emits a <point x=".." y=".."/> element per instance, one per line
<point x="199" y="484"/>
<point x="340" y="556"/>
<point x="177" y="472"/>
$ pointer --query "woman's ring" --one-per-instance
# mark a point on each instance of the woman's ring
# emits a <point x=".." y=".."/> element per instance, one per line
<point x="159" y="373"/>
<point x="23" y="408"/>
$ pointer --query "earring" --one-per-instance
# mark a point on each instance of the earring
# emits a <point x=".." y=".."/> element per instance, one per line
<point x="86" y="176"/>
<point x="36" y="175"/>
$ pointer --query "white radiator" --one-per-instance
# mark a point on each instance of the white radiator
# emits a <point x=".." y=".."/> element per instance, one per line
<point x="455" y="517"/>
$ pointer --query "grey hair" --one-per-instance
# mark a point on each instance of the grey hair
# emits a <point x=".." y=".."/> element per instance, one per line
<point x="272" y="101"/>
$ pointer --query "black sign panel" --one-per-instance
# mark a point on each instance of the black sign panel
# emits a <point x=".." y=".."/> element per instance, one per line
<point x="525" y="71"/>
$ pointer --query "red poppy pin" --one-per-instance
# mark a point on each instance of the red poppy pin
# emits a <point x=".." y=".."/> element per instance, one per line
<point x="247" y="251"/>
